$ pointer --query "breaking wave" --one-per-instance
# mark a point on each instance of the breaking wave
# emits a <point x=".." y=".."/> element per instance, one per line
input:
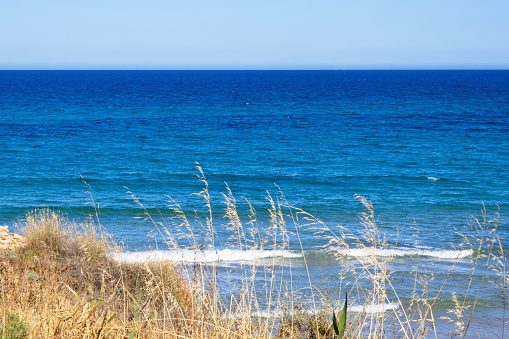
<point x="366" y="308"/>
<point x="206" y="256"/>
<point x="403" y="251"/>
<point x="374" y="308"/>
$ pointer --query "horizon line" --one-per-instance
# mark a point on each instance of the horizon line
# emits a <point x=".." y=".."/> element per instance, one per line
<point x="256" y="69"/>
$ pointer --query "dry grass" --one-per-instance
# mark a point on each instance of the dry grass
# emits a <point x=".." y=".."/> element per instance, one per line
<point x="63" y="282"/>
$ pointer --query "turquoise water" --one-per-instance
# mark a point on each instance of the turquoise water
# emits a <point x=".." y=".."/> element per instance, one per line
<point x="428" y="148"/>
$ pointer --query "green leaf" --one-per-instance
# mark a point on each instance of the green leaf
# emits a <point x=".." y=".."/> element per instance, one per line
<point x="335" y="323"/>
<point x="135" y="314"/>
<point x="112" y="317"/>
<point x="339" y="325"/>
<point x="91" y="290"/>
<point x="133" y="333"/>
<point x="81" y="301"/>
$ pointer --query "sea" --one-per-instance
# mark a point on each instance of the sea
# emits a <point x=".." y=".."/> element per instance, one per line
<point x="428" y="149"/>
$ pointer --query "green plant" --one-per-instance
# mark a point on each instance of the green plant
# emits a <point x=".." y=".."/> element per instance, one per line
<point x="340" y="325"/>
<point x="14" y="327"/>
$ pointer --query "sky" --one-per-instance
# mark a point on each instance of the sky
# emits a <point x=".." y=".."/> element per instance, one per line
<point x="254" y="34"/>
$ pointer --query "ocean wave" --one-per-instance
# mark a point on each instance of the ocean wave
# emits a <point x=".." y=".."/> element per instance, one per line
<point x="354" y="308"/>
<point x="374" y="308"/>
<point x="403" y="252"/>
<point x="206" y="256"/>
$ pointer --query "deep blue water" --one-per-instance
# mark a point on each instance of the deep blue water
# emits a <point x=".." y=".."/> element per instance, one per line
<point x="321" y="136"/>
<point x="428" y="148"/>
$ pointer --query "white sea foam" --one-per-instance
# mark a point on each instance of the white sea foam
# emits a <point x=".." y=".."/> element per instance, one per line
<point x="374" y="308"/>
<point x="403" y="251"/>
<point x="433" y="179"/>
<point x="366" y="308"/>
<point x="207" y="256"/>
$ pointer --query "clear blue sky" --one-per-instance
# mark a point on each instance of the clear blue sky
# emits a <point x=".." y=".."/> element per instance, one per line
<point x="253" y="34"/>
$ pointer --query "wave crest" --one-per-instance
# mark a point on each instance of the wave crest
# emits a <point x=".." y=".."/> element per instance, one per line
<point x="374" y="308"/>
<point x="207" y="256"/>
<point x="403" y="252"/>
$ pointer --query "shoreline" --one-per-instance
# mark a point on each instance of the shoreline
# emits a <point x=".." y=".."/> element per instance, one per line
<point x="77" y="262"/>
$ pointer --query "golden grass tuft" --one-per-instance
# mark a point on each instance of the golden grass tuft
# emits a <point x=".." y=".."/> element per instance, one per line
<point x="64" y="283"/>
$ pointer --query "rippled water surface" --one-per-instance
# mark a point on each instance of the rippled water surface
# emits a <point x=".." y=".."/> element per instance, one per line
<point x="427" y="148"/>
